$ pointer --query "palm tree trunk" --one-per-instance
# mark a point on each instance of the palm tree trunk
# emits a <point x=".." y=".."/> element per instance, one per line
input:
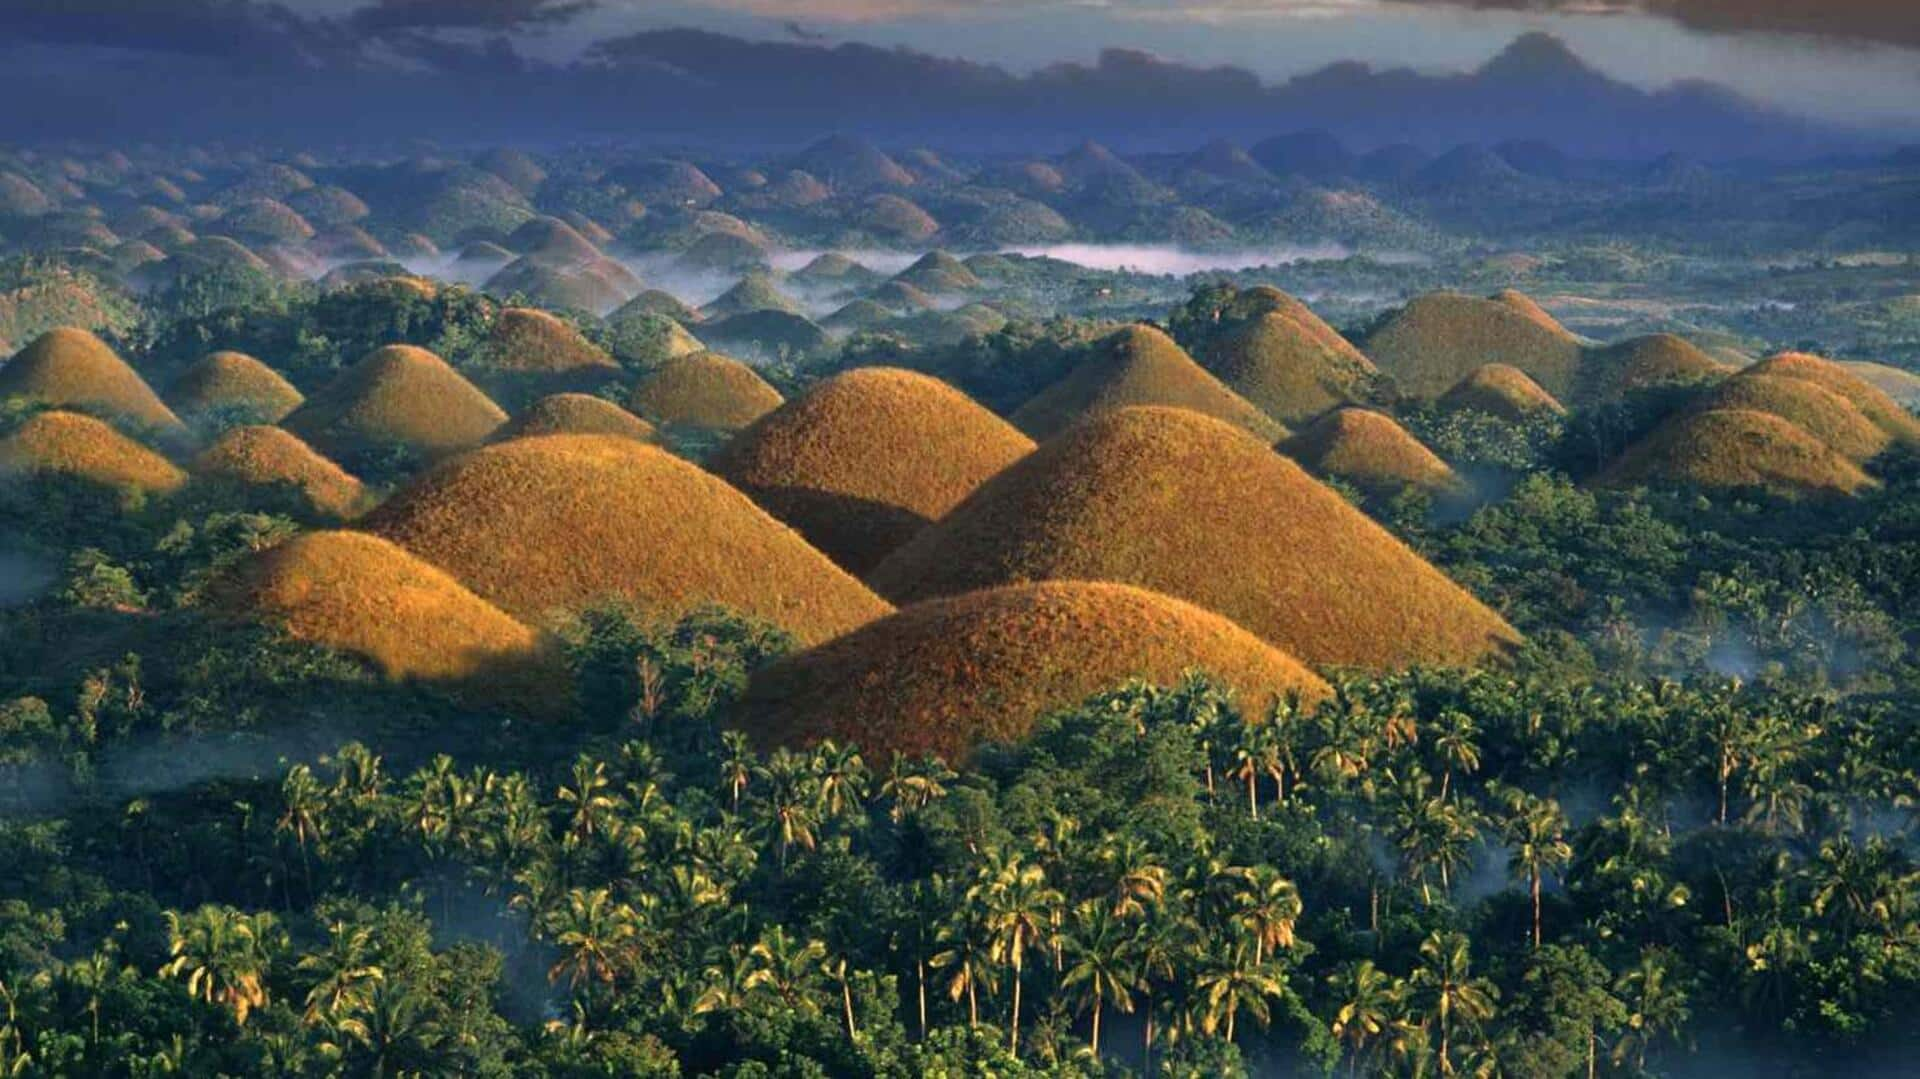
<point x="1015" y="1042"/>
<point x="1096" y="1026"/>
<point x="920" y="968"/>
<point x="1446" y="781"/>
<point x="973" y="1004"/>
<point x="1147" y="1054"/>
<point x="846" y="999"/>
<point x="1253" y="797"/>
<point x="1232" y="1011"/>
<point x="1593" y="1040"/>
<point x="1534" y="873"/>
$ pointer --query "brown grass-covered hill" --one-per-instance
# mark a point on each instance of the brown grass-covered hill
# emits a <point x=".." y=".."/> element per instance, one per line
<point x="1139" y="365"/>
<point x="234" y="382"/>
<point x="946" y="675"/>
<point x="530" y="341"/>
<point x="1901" y="385"/>
<point x="1501" y="390"/>
<point x="1813" y="408"/>
<point x="1372" y="452"/>
<point x="70" y="366"/>
<point x="1289" y="362"/>
<point x="576" y="414"/>
<point x="410" y="621"/>
<point x="1184" y="504"/>
<point x="865" y="460"/>
<point x="655" y="302"/>
<point x="754" y="292"/>
<point x="561" y="522"/>
<point x="1436" y="340"/>
<point x="69" y="444"/>
<point x="704" y="390"/>
<point x="1735" y="448"/>
<point x="263" y="456"/>
<point x="397" y="395"/>
<point x="1613" y="371"/>
<point x="1882" y="409"/>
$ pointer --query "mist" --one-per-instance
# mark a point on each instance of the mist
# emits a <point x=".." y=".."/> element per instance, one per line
<point x="24" y="577"/>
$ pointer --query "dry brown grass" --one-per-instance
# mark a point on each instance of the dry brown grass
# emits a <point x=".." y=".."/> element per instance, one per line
<point x="71" y="367"/>
<point x="1139" y="365"/>
<point x="865" y="460"/>
<point x="706" y="390"/>
<point x="1900" y="384"/>
<point x="1372" y="452"/>
<point x="1810" y="406"/>
<point x="1529" y="307"/>
<point x="234" y="380"/>
<point x="269" y="456"/>
<point x="542" y="526"/>
<point x="397" y="395"/>
<point x="945" y="676"/>
<point x="576" y="414"/>
<point x="1501" y="390"/>
<point x="1180" y="503"/>
<point x="1290" y="364"/>
<point x="1882" y="409"/>
<point x="412" y="622"/>
<point x="1436" y="340"/>
<point x="531" y="341"/>
<point x="1610" y="373"/>
<point x="70" y="444"/>
<point x="1735" y="448"/>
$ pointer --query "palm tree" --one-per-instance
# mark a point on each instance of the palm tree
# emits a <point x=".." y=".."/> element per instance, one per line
<point x="1235" y="981"/>
<point x="842" y="775"/>
<point x="589" y="792"/>
<point x="1138" y="880"/>
<point x="1367" y="997"/>
<point x="303" y="812"/>
<point x="1155" y="951"/>
<point x="225" y="955"/>
<point x="1269" y="907"/>
<point x="792" y="798"/>
<point x="1773" y="784"/>
<point x="1656" y="1007"/>
<point x="342" y="973"/>
<point x="1018" y="908"/>
<point x="1855" y="885"/>
<point x="597" y="937"/>
<point x="736" y="765"/>
<point x="1455" y="744"/>
<point x="1251" y="749"/>
<point x="965" y="951"/>
<point x="914" y="783"/>
<point x="1535" y="831"/>
<point x="358" y="776"/>
<point x="841" y="972"/>
<point x="1445" y="991"/>
<point x="395" y="1029"/>
<point x="788" y="969"/>
<point x="1097" y="963"/>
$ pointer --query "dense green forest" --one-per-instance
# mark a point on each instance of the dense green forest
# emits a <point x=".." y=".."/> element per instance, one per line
<point x="1671" y="837"/>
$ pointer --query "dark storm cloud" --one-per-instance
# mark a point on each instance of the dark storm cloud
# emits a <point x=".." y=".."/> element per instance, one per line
<point x="259" y="32"/>
<point x="498" y="15"/>
<point x="1889" y="22"/>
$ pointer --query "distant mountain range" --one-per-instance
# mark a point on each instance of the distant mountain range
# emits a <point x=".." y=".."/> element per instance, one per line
<point x="704" y="87"/>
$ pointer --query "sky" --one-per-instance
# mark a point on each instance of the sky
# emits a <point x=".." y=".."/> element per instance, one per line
<point x="1870" y="76"/>
<point x="1855" y="62"/>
